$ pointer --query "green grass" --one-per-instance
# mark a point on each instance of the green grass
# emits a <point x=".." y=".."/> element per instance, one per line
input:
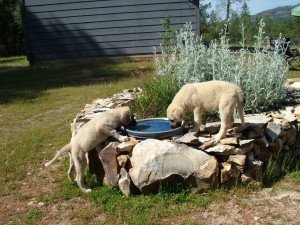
<point x="37" y="105"/>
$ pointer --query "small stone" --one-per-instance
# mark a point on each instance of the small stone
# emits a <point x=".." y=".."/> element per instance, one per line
<point x="277" y="146"/>
<point x="262" y="141"/>
<point x="243" y="150"/>
<point x="238" y="160"/>
<point x="291" y="135"/>
<point x="111" y="105"/>
<point x="229" y="141"/>
<point x="291" y="117"/>
<point x="254" y="173"/>
<point x="297" y="110"/>
<point x="102" y="102"/>
<point x="122" y="160"/>
<point x="256" y="121"/>
<point x="222" y="150"/>
<point x="244" y="143"/>
<point x="124" y="182"/>
<point x="188" y="138"/>
<point x="284" y="123"/>
<point x="228" y="172"/>
<point x="296" y="85"/>
<point x="127" y="146"/>
<point x="245" y="146"/>
<point x="41" y="204"/>
<point x="204" y="139"/>
<point x="206" y="145"/>
<point x="273" y="131"/>
<point x="290" y="81"/>
<point x="212" y="128"/>
<point x="277" y="116"/>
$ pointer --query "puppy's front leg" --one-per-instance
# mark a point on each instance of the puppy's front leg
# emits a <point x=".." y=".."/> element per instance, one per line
<point x="116" y="135"/>
<point x="197" y="119"/>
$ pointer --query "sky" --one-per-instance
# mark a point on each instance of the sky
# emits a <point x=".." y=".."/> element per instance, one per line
<point x="256" y="6"/>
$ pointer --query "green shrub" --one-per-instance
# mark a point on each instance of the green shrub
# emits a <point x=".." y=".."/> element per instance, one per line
<point x="157" y="95"/>
<point x="260" y="73"/>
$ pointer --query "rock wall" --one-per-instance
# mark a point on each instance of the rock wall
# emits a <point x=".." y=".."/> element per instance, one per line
<point x="243" y="156"/>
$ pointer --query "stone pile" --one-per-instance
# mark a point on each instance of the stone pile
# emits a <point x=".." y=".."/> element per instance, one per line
<point x="141" y="166"/>
<point x="99" y="105"/>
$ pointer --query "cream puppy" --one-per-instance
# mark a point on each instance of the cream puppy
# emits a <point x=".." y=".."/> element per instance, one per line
<point x="207" y="97"/>
<point x="89" y="136"/>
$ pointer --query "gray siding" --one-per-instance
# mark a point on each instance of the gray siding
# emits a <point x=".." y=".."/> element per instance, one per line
<point x="64" y="29"/>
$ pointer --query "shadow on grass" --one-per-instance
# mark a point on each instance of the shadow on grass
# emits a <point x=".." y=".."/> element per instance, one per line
<point x="30" y="82"/>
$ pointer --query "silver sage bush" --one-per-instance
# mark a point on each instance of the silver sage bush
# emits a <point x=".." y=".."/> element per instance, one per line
<point x="260" y="72"/>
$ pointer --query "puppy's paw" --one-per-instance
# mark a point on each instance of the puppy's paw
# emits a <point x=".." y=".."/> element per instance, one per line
<point x="216" y="140"/>
<point x="194" y="130"/>
<point x="124" y="138"/>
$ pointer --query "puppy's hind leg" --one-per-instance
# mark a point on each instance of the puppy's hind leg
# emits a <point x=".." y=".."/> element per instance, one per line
<point x="226" y="114"/>
<point x="71" y="170"/>
<point x="80" y="165"/>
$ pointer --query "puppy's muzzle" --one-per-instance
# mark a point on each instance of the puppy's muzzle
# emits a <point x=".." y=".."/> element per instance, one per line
<point x="175" y="124"/>
<point x="133" y="121"/>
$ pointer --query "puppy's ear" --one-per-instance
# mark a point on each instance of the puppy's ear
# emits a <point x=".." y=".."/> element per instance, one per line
<point x="179" y="114"/>
<point x="126" y="116"/>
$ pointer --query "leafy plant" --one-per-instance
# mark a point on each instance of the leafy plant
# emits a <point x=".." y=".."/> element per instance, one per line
<point x="260" y="73"/>
<point x="157" y="95"/>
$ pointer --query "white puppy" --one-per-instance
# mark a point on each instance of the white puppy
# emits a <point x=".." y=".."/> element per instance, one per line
<point x="89" y="136"/>
<point x="207" y="97"/>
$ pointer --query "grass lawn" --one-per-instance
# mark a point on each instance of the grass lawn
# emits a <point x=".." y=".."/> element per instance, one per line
<point x="37" y="105"/>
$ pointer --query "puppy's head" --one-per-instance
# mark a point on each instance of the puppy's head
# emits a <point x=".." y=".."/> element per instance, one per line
<point x="127" y="117"/>
<point x="175" y="114"/>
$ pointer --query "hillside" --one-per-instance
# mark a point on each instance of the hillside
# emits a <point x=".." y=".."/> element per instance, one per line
<point x="278" y="14"/>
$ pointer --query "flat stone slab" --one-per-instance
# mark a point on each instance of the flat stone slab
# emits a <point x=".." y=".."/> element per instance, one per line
<point x="154" y="161"/>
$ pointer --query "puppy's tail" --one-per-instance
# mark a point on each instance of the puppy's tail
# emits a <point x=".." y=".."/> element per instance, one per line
<point x="240" y="106"/>
<point x="66" y="148"/>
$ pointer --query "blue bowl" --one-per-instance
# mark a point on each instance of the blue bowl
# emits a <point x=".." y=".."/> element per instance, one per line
<point x="153" y="128"/>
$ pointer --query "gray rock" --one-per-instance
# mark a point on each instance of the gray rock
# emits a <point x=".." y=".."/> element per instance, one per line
<point x="212" y="128"/>
<point x="222" y="150"/>
<point x="127" y="146"/>
<point x="204" y="139"/>
<point x="122" y="160"/>
<point x="244" y="149"/>
<point x="229" y="141"/>
<point x="108" y="157"/>
<point x="284" y="123"/>
<point x="156" y="162"/>
<point x="276" y="146"/>
<point x="124" y="182"/>
<point x="256" y="121"/>
<point x="188" y="138"/>
<point x="273" y="131"/>
<point x="254" y="173"/>
<point x="228" y="172"/>
<point x="237" y="160"/>
<point x="291" y="135"/>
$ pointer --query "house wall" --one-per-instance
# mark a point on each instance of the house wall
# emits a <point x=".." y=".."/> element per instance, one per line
<point x="66" y="29"/>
